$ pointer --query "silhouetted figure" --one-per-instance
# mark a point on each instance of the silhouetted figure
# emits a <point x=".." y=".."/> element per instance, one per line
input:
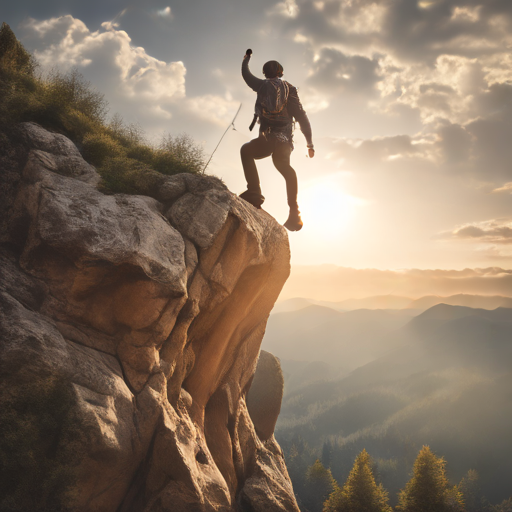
<point x="277" y="105"/>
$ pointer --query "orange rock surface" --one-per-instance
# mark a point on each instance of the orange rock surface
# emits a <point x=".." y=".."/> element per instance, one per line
<point x="145" y="316"/>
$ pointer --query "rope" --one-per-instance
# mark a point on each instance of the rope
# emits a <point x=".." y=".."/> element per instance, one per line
<point x="232" y="124"/>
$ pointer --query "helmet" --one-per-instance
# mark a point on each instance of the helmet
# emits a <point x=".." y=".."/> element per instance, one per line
<point x="272" y="68"/>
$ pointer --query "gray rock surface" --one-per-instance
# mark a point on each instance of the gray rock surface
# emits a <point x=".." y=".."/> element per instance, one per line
<point x="129" y="339"/>
<point x="265" y="395"/>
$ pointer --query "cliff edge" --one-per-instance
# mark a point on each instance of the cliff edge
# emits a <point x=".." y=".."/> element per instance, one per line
<point x="130" y="334"/>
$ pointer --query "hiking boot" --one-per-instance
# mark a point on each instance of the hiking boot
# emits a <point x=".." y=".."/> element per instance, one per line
<point x="294" y="222"/>
<point x="254" y="198"/>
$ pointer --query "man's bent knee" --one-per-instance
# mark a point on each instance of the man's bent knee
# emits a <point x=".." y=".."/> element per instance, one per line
<point x="245" y="150"/>
<point x="283" y="164"/>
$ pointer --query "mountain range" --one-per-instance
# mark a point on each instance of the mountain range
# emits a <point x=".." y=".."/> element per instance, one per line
<point x="398" y="302"/>
<point x="441" y="378"/>
<point x="343" y="340"/>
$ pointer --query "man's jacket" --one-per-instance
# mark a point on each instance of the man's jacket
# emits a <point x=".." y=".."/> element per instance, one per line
<point x="283" y="128"/>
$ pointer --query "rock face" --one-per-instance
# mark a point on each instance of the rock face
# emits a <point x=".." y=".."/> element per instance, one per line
<point x="130" y="333"/>
<point x="265" y="395"/>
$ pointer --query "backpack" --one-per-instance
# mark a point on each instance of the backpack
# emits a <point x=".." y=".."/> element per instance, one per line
<point x="271" y="102"/>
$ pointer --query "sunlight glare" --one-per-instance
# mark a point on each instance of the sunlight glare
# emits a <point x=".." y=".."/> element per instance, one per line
<point x="329" y="210"/>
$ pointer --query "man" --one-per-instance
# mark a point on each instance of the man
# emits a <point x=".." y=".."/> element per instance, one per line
<point x="277" y="105"/>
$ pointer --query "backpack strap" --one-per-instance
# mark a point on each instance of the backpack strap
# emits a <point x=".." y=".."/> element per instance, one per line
<point x="254" y="119"/>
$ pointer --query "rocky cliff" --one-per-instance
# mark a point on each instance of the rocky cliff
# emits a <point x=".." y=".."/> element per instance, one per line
<point x="130" y="335"/>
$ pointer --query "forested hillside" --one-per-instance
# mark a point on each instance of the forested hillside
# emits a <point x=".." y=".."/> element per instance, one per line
<point x="446" y="383"/>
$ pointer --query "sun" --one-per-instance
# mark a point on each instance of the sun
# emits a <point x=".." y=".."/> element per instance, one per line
<point x="329" y="210"/>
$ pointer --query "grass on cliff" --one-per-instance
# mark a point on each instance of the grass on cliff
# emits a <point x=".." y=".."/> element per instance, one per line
<point x="38" y="432"/>
<point x="68" y="104"/>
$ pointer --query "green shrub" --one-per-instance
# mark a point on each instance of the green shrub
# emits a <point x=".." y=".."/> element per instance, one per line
<point x="141" y="152"/>
<point x="63" y="97"/>
<point x="67" y="103"/>
<point x="166" y="163"/>
<point x="96" y="147"/>
<point x="80" y="124"/>
<point x="128" y="134"/>
<point x="13" y="55"/>
<point x="37" y="432"/>
<point x="73" y="91"/>
<point x="18" y="85"/>
<point x="20" y="99"/>
<point x="179" y="154"/>
<point x="129" y="176"/>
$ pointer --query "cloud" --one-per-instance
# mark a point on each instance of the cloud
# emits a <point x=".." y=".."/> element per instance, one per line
<point x="313" y="101"/>
<point x="439" y="58"/>
<point x="480" y="149"/>
<point x="67" y="43"/>
<point x="445" y="62"/>
<point x="490" y="132"/>
<point x="286" y="8"/>
<point x="381" y="153"/>
<point x="412" y="31"/>
<point x="334" y="72"/>
<point x="497" y="252"/>
<point x="507" y="187"/>
<point x="496" y="231"/>
<point x="445" y="27"/>
<point x="454" y="143"/>
<point x="151" y="90"/>
<point x="334" y="283"/>
<point x="451" y="89"/>
<point x="466" y="14"/>
<point x="209" y="106"/>
<point x="165" y="12"/>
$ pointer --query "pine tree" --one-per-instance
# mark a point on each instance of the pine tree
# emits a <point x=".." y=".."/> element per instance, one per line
<point x="504" y="506"/>
<point x="428" y="490"/>
<point x="360" y="492"/>
<point x="318" y="486"/>
<point x="469" y="487"/>
<point x="13" y="55"/>
<point x="299" y="457"/>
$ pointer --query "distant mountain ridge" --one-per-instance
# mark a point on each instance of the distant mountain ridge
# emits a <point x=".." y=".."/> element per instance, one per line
<point x="446" y="384"/>
<point x="462" y="299"/>
<point x="342" y="339"/>
<point x="332" y="283"/>
<point x="398" y="302"/>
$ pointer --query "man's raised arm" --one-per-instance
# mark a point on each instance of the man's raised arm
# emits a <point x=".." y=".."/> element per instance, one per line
<point x="253" y="82"/>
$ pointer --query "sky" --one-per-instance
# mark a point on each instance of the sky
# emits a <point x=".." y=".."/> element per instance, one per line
<point x="410" y="104"/>
<point x="335" y="283"/>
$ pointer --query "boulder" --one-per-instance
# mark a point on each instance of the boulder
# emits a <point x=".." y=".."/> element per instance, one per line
<point x="265" y="395"/>
<point x="130" y="331"/>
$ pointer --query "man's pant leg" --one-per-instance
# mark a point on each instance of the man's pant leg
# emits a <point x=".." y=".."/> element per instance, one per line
<point x="254" y="150"/>
<point x="281" y="159"/>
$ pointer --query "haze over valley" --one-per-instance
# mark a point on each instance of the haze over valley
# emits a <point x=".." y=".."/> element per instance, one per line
<point x="429" y="371"/>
